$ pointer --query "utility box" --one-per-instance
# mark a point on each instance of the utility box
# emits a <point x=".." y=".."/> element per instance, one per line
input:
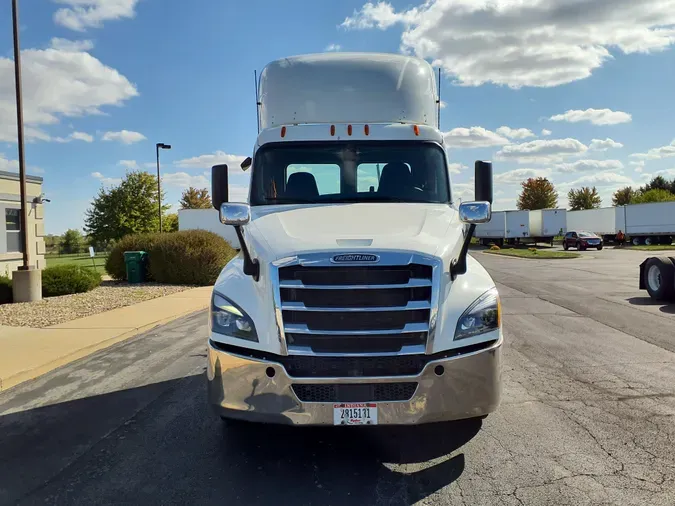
<point x="136" y="263"/>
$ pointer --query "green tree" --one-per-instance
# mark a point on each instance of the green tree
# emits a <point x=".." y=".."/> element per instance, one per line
<point x="128" y="208"/>
<point x="623" y="196"/>
<point x="584" y="198"/>
<point x="537" y="193"/>
<point x="193" y="198"/>
<point x="170" y="223"/>
<point x="72" y="241"/>
<point x="655" y="195"/>
<point x="657" y="183"/>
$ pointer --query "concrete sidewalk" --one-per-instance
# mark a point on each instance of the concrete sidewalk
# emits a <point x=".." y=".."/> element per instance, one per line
<point x="26" y="353"/>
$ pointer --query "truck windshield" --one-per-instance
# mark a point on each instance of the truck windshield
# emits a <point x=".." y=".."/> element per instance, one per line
<point x="334" y="172"/>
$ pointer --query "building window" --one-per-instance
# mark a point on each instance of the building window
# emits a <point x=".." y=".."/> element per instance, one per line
<point x="13" y="228"/>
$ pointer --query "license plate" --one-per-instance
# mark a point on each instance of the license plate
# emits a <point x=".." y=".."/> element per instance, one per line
<point x="355" y="414"/>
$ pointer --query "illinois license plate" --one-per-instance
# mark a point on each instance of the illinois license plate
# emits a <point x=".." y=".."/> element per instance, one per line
<point x="362" y="413"/>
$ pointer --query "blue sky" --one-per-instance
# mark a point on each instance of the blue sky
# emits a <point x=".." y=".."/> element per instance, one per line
<point x="529" y="85"/>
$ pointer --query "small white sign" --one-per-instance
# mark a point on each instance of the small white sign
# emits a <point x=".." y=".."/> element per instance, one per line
<point x="91" y="252"/>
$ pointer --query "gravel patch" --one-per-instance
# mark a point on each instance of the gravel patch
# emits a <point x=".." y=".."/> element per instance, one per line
<point x="55" y="310"/>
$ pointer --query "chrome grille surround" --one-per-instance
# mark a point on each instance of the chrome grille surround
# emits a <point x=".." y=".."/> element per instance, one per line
<point x="386" y="258"/>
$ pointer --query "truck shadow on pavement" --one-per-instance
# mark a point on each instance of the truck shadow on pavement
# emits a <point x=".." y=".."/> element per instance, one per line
<point x="668" y="308"/>
<point x="161" y="444"/>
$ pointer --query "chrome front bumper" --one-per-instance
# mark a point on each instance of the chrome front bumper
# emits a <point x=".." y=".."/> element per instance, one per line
<point x="240" y="387"/>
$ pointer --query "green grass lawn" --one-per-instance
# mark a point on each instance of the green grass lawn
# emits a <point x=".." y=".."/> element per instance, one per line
<point x="83" y="260"/>
<point x="653" y="247"/>
<point x="538" y="254"/>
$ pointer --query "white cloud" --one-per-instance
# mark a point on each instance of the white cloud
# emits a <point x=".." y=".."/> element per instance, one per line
<point x="74" y="136"/>
<point x="546" y="132"/>
<point x="590" y="166"/>
<point x="456" y="168"/>
<point x="595" y="116"/>
<point x="523" y="43"/>
<point x="474" y="137"/>
<point x="108" y="181"/>
<point x="83" y="14"/>
<point x="667" y="173"/>
<point x="124" y="136"/>
<point x="184" y="180"/>
<point x="541" y="151"/>
<point x="129" y="164"/>
<point x="517" y="176"/>
<point x="600" y="145"/>
<point x="57" y="83"/>
<point x="207" y="161"/>
<point x="8" y="165"/>
<point x="603" y="179"/>
<point x="657" y="153"/>
<point x="333" y="47"/>
<point x="71" y="45"/>
<point x="82" y="136"/>
<point x="515" y="133"/>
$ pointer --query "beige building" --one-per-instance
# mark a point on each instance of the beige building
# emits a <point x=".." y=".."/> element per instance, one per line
<point x="11" y="245"/>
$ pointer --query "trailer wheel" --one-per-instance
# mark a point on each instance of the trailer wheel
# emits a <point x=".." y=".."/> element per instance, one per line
<point x="636" y="241"/>
<point x="649" y="241"/>
<point x="659" y="278"/>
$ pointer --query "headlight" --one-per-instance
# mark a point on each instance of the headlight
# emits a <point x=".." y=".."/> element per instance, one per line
<point x="482" y="316"/>
<point x="228" y="319"/>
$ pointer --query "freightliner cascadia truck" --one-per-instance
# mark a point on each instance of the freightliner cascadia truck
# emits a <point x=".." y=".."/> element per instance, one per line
<point x="352" y="300"/>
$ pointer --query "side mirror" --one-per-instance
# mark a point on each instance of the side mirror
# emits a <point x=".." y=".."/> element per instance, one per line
<point x="219" y="188"/>
<point x="235" y="214"/>
<point x="475" y="212"/>
<point x="246" y="163"/>
<point x="483" y="178"/>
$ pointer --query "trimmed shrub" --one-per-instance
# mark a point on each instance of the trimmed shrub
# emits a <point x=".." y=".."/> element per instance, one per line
<point x="188" y="257"/>
<point x="115" y="265"/>
<point x="6" y="295"/>
<point x="67" y="279"/>
<point x="532" y="250"/>
<point x="494" y="247"/>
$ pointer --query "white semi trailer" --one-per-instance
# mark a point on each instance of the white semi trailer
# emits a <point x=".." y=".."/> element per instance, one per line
<point x="522" y="227"/>
<point x="643" y="223"/>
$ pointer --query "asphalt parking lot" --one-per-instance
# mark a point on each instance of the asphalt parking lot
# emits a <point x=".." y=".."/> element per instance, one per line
<point x="588" y="416"/>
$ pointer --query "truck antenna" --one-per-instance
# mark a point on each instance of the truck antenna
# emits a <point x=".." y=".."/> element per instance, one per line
<point x="257" y="101"/>
<point x="438" y="102"/>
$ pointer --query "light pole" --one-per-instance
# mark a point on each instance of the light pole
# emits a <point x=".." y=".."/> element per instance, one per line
<point x="27" y="281"/>
<point x="160" y="145"/>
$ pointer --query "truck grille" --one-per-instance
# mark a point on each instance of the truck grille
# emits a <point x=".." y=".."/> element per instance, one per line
<point x="356" y="309"/>
<point x="369" y="392"/>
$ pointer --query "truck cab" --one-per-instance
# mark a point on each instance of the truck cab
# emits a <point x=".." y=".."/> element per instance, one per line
<point x="353" y="300"/>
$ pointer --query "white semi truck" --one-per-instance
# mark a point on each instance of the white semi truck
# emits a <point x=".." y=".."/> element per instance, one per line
<point x="353" y="300"/>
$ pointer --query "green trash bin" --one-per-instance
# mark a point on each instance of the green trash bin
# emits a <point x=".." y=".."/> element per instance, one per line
<point x="135" y="262"/>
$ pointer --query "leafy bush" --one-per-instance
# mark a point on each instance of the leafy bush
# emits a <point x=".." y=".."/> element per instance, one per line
<point x="5" y="290"/>
<point x="190" y="257"/>
<point x="494" y="247"/>
<point x="532" y="250"/>
<point x="136" y="242"/>
<point x="67" y="279"/>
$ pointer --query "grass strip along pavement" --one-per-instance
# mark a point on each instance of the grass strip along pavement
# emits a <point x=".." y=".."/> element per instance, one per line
<point x="533" y="253"/>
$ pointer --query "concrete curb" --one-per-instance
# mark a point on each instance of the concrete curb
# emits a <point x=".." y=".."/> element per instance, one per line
<point x="29" y="374"/>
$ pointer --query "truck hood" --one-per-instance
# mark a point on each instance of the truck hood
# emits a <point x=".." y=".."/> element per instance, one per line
<point x="283" y="231"/>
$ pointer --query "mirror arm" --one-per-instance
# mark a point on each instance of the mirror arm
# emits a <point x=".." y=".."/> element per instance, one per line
<point x="458" y="265"/>
<point x="251" y="266"/>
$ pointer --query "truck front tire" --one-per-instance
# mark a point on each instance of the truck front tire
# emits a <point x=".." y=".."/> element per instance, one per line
<point x="659" y="278"/>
